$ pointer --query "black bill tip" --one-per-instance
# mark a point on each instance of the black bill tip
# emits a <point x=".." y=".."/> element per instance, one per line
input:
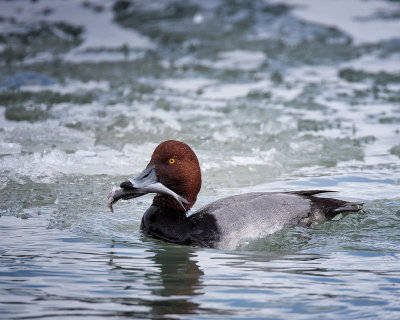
<point x="126" y="184"/>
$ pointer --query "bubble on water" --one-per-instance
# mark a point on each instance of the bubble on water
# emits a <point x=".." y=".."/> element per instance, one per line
<point x="198" y="18"/>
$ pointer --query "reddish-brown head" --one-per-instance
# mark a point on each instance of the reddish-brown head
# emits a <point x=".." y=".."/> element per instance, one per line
<point x="177" y="168"/>
<point x="173" y="173"/>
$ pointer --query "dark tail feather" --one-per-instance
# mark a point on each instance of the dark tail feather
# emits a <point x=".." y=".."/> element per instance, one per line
<point x="309" y="192"/>
<point x="341" y="206"/>
<point x="327" y="208"/>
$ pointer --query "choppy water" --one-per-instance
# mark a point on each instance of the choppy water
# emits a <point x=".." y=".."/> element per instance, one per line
<point x="272" y="95"/>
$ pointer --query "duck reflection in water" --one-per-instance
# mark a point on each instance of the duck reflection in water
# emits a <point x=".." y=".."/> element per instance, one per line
<point x="179" y="279"/>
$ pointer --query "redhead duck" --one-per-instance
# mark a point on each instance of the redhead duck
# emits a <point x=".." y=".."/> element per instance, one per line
<point x="174" y="175"/>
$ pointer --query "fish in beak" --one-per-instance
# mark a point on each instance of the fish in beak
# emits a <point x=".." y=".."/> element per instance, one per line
<point x="146" y="182"/>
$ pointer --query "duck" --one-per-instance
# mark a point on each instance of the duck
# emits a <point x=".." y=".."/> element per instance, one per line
<point x="174" y="176"/>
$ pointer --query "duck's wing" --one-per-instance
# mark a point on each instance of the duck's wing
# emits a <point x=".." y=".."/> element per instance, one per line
<point x="249" y="216"/>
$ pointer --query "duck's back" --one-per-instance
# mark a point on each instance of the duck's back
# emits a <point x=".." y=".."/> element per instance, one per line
<point x="251" y="215"/>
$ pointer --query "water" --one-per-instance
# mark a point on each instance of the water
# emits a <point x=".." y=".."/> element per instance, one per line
<point x="271" y="95"/>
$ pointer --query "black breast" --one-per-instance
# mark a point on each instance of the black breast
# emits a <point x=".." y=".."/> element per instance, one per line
<point x="172" y="226"/>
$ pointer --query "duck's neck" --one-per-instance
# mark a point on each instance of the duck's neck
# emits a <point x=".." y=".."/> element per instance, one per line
<point x="170" y="204"/>
<point x="165" y="223"/>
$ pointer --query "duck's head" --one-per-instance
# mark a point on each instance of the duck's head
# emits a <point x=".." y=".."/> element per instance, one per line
<point x="173" y="173"/>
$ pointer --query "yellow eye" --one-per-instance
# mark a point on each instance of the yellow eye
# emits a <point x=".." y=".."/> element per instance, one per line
<point x="171" y="161"/>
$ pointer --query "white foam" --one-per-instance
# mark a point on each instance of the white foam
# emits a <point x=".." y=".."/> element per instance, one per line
<point x="370" y="63"/>
<point x="45" y="155"/>
<point x="286" y="94"/>
<point x="246" y="160"/>
<point x="9" y="148"/>
<point x="70" y="87"/>
<point x="78" y="55"/>
<point x="234" y="90"/>
<point x="257" y="157"/>
<point x="237" y="59"/>
<point x="207" y="164"/>
<point x="312" y="74"/>
<point x="50" y="165"/>
<point x="187" y="84"/>
<point x="226" y="134"/>
<point x="350" y="16"/>
<point x="168" y="118"/>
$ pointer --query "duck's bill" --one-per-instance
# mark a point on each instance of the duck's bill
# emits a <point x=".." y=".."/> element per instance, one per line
<point x="146" y="182"/>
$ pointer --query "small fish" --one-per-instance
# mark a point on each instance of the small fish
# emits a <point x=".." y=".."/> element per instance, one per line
<point x="122" y="193"/>
<point x="130" y="193"/>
